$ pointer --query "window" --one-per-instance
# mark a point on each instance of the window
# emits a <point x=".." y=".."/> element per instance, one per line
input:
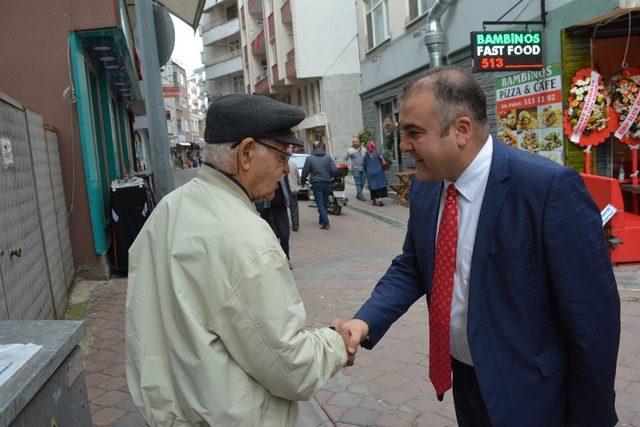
<point x="376" y="11"/>
<point x="234" y="45"/>
<point x="238" y="83"/>
<point x="179" y="125"/>
<point x="417" y="8"/>
<point x="232" y="12"/>
<point x="319" y="96"/>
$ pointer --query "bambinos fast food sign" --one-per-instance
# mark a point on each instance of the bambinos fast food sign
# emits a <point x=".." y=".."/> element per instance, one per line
<point x="506" y="50"/>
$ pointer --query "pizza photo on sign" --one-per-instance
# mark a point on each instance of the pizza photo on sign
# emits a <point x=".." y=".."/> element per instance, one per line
<point x="508" y="137"/>
<point x="527" y="119"/>
<point x="529" y="141"/>
<point x="549" y="115"/>
<point x="508" y="120"/>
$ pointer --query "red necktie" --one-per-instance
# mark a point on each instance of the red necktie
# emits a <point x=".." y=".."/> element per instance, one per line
<point x="441" y="293"/>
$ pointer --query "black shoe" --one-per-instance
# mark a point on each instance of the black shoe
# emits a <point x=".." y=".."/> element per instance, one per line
<point x="295" y="228"/>
<point x="325" y="227"/>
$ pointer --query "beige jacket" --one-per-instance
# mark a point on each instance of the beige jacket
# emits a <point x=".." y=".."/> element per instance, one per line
<point x="215" y="328"/>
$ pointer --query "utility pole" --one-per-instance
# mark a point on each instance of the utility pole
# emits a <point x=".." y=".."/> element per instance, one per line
<point x="152" y="90"/>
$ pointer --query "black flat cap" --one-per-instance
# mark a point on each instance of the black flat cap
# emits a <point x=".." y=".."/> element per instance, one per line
<point x="232" y="118"/>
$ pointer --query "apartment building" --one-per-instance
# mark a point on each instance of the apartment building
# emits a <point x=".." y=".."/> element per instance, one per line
<point x="197" y="91"/>
<point x="183" y="122"/>
<point x="305" y="53"/>
<point x="221" y="55"/>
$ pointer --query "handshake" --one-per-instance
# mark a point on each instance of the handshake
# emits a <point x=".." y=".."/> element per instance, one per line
<point x="353" y="332"/>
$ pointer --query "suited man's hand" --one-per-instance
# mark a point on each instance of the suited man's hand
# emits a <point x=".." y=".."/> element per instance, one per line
<point x="353" y="332"/>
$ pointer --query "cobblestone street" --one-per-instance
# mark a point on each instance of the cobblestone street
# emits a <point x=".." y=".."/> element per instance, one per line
<point x="335" y="271"/>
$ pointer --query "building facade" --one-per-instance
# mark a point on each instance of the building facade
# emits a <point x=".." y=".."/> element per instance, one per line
<point x="576" y="34"/>
<point x="89" y="56"/>
<point x="292" y="55"/>
<point x="197" y="91"/>
<point x="221" y="55"/>
<point x="183" y="121"/>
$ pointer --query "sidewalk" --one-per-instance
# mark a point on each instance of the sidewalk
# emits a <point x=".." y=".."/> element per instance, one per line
<point x="627" y="275"/>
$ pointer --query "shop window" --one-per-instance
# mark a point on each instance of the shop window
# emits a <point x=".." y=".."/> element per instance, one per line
<point x="417" y="8"/>
<point x="389" y="135"/>
<point x="376" y="12"/>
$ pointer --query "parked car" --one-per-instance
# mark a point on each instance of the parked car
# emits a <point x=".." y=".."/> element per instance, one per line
<point x="299" y="159"/>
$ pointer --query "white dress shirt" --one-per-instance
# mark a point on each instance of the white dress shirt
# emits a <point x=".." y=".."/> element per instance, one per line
<point x="471" y="186"/>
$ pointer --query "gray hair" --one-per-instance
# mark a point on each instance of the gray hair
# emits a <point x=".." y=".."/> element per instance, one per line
<point x="218" y="154"/>
<point x="221" y="154"/>
<point x="456" y="94"/>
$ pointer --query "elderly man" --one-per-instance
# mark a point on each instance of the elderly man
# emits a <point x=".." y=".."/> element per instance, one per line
<point x="524" y="313"/>
<point x="215" y="328"/>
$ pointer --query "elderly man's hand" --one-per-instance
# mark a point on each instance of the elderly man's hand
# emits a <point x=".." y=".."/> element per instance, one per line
<point x="353" y="332"/>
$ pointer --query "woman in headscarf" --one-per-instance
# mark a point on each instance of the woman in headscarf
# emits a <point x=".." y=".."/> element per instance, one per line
<point x="375" y="174"/>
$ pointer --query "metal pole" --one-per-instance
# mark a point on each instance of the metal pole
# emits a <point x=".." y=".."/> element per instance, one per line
<point x="152" y="85"/>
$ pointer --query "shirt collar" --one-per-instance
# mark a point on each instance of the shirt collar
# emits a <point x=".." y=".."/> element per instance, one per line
<point x="468" y="183"/>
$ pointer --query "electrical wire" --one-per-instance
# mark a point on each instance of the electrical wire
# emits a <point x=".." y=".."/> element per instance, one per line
<point x="338" y="57"/>
<point x="625" y="65"/>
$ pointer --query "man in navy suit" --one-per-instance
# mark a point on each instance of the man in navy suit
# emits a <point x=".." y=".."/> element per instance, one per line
<point x="524" y="313"/>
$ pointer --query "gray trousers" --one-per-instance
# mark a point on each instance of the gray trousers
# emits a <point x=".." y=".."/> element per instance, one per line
<point x="295" y="215"/>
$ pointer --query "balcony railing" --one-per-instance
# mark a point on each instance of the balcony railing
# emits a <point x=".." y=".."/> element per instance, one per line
<point x="272" y="27"/>
<point x="258" y="44"/>
<point x="285" y="11"/>
<point x="221" y="31"/>
<point x="262" y="83"/>
<point x="290" y="65"/>
<point x="254" y="6"/>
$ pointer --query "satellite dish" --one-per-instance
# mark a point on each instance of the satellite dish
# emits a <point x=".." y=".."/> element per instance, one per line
<point x="165" y="33"/>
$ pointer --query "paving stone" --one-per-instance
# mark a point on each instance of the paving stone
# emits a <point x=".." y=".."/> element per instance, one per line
<point x="107" y="416"/>
<point x="133" y="419"/>
<point x="346" y="399"/>
<point x="334" y="412"/>
<point x="395" y="419"/>
<point x="110" y="398"/>
<point x="322" y="396"/>
<point x="360" y="417"/>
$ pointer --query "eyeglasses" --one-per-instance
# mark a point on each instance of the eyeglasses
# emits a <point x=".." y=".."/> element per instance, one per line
<point x="285" y="155"/>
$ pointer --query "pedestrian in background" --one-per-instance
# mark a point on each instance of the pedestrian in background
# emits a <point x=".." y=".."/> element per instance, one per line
<point x="375" y="174"/>
<point x="274" y="211"/>
<point x="321" y="168"/>
<point x="294" y="186"/>
<point x="355" y="155"/>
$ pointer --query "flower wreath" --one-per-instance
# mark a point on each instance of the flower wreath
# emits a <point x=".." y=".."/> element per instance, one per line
<point x="624" y="94"/>
<point x="603" y="120"/>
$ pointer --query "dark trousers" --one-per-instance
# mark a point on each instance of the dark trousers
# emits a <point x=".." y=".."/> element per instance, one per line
<point x="295" y="214"/>
<point x="278" y="219"/>
<point x="321" y="192"/>
<point x="467" y="398"/>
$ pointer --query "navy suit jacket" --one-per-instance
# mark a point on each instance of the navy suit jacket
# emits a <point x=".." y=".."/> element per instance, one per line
<point x="543" y="307"/>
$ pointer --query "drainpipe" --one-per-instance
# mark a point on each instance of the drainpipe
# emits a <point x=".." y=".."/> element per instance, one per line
<point x="434" y="38"/>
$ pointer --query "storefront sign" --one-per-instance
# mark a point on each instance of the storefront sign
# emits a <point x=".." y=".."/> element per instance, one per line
<point x="529" y="111"/>
<point x="170" y="92"/>
<point x="506" y="50"/>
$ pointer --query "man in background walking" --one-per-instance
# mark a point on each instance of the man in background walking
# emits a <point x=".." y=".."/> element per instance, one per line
<point x="321" y="169"/>
<point x="355" y="155"/>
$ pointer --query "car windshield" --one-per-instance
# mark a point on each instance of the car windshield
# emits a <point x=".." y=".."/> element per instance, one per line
<point x="299" y="160"/>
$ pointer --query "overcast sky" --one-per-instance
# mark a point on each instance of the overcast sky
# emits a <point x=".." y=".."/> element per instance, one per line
<point x="186" y="51"/>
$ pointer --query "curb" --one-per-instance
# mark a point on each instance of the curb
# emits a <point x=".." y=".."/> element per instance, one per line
<point x="391" y="221"/>
<point x="625" y="280"/>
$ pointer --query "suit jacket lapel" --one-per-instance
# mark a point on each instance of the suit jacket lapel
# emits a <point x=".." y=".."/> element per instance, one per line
<point x="497" y="189"/>
<point x="432" y="229"/>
